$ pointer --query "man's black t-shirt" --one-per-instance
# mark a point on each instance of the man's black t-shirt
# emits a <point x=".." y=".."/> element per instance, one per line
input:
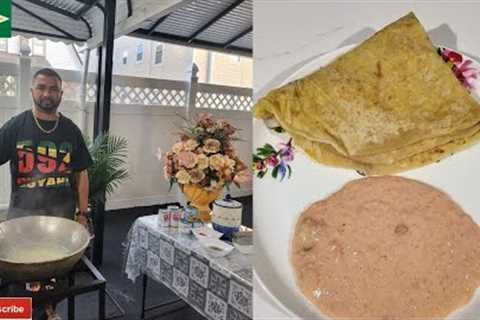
<point x="43" y="165"/>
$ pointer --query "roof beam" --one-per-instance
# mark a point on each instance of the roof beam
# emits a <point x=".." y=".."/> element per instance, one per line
<point x="146" y="10"/>
<point x="90" y="33"/>
<point x="95" y="3"/>
<point x="169" y="38"/>
<point x="215" y="19"/>
<point x="157" y="23"/>
<point x="64" y="12"/>
<point x="129" y="7"/>
<point x="238" y="36"/>
<point x="53" y="8"/>
<point x="46" y="34"/>
<point x="87" y="6"/>
<point x="48" y="23"/>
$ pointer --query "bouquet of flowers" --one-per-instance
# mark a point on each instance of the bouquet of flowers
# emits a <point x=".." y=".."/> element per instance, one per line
<point x="205" y="156"/>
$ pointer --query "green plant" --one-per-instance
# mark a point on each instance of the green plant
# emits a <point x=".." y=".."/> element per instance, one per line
<point x="109" y="154"/>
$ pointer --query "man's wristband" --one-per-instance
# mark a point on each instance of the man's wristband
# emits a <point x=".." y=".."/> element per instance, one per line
<point x="83" y="213"/>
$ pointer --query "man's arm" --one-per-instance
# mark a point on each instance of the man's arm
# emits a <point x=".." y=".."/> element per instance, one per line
<point x="82" y="189"/>
<point x="82" y="201"/>
<point x="6" y="142"/>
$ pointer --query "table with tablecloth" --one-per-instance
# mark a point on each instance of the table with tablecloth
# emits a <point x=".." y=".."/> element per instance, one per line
<point x="218" y="288"/>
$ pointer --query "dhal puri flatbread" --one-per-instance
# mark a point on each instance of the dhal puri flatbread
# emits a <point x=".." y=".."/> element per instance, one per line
<point x="388" y="105"/>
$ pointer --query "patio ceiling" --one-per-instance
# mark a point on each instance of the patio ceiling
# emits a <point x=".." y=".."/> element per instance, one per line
<point x="222" y="25"/>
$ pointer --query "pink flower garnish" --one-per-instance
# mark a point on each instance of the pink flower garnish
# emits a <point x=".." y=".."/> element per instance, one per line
<point x="272" y="160"/>
<point x="286" y="151"/>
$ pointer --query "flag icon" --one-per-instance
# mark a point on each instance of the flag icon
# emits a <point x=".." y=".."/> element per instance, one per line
<point x="5" y="18"/>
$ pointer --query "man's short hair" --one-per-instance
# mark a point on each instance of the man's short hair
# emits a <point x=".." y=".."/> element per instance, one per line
<point x="47" y="72"/>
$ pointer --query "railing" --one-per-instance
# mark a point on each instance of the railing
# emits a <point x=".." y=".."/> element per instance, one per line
<point x="140" y="91"/>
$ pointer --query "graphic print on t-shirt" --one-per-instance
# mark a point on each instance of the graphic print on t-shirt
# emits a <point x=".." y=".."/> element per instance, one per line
<point x="44" y="165"/>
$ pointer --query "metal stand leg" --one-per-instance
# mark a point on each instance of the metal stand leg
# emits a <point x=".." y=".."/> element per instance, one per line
<point x="71" y="300"/>
<point x="101" y="303"/>
<point x="144" y="294"/>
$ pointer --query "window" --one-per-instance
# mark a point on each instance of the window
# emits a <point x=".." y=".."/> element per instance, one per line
<point x="4" y="45"/>
<point x="158" y="54"/>
<point x="125" y="57"/>
<point x="38" y="47"/>
<point x="140" y="52"/>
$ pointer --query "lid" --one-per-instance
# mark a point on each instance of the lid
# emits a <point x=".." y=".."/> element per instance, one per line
<point x="228" y="202"/>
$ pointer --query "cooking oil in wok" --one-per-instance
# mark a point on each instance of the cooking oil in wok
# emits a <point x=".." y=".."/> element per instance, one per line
<point x="36" y="253"/>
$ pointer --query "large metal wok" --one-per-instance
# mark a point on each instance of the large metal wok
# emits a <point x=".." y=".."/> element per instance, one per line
<point x="40" y="247"/>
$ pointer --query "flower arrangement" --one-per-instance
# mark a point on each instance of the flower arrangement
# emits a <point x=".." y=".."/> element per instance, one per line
<point x="204" y="156"/>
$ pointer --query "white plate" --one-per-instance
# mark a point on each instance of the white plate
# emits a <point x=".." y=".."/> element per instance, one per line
<point x="216" y="248"/>
<point x="206" y="232"/>
<point x="277" y="206"/>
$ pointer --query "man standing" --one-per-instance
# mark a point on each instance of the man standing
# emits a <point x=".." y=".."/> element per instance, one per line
<point x="48" y="158"/>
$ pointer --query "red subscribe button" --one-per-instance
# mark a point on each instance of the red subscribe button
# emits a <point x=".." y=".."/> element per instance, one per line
<point x="16" y="308"/>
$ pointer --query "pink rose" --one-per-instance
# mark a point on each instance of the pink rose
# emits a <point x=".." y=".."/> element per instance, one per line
<point x="187" y="159"/>
<point x="243" y="176"/>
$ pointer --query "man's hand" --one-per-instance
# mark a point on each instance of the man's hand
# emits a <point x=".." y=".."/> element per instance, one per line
<point x="84" y="220"/>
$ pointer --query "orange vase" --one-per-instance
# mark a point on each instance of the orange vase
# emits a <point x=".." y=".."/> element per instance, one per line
<point x="201" y="199"/>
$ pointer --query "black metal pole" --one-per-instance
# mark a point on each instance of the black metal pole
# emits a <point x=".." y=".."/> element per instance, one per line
<point x="102" y="112"/>
<point x="98" y="108"/>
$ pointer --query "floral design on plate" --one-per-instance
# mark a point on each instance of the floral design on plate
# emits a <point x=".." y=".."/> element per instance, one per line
<point x="268" y="157"/>
<point x="461" y="66"/>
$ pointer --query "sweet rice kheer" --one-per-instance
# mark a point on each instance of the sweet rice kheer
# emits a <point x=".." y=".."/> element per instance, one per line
<point x="389" y="248"/>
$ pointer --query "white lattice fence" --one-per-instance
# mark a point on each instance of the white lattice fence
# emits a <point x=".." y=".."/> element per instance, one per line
<point x="142" y="91"/>
<point x="8" y="85"/>
<point x="148" y="96"/>
<point x="223" y="98"/>
<point x="71" y="90"/>
<point x="8" y="79"/>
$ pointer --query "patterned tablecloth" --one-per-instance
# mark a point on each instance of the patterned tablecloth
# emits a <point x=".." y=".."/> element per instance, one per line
<point x="218" y="288"/>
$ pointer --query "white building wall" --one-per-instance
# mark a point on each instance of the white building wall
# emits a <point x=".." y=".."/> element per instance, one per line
<point x="177" y="60"/>
<point x="61" y="56"/>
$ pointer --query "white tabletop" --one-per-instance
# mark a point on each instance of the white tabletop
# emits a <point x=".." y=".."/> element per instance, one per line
<point x="288" y="33"/>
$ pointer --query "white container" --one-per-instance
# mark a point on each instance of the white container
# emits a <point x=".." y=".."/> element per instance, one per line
<point x="163" y="218"/>
<point x="184" y="226"/>
<point x="227" y="213"/>
<point x="175" y="216"/>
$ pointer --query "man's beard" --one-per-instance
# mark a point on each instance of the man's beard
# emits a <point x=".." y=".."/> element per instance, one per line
<point x="48" y="105"/>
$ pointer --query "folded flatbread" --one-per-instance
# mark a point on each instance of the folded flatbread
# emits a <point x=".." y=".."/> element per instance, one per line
<point x="387" y="105"/>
